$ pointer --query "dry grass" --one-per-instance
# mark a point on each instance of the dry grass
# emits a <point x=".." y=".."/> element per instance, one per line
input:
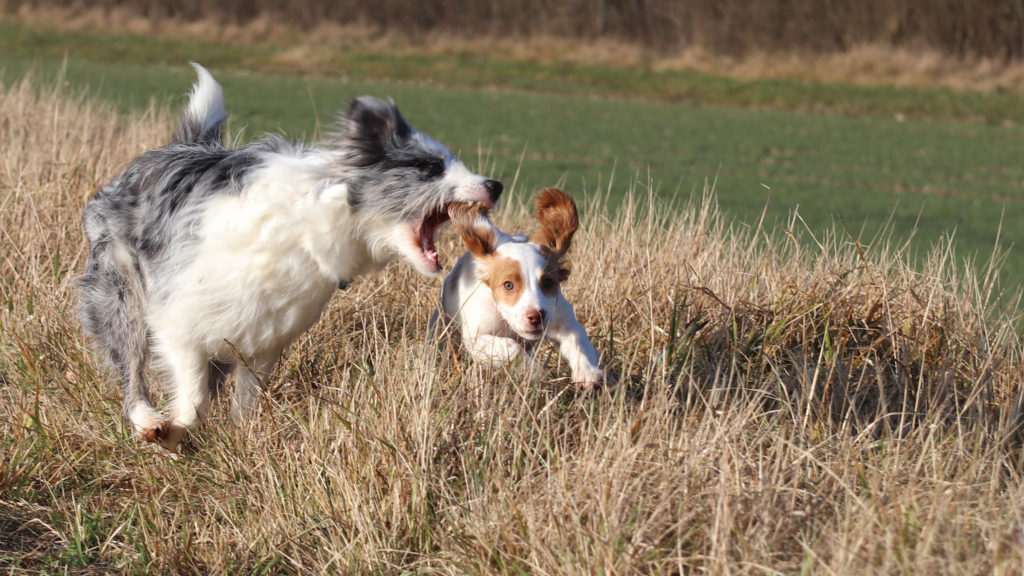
<point x="316" y="49"/>
<point x="786" y="404"/>
<point x="983" y="28"/>
<point x="863" y="65"/>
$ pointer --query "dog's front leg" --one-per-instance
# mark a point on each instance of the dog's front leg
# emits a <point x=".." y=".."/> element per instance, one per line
<point x="575" y="346"/>
<point x="496" y="351"/>
<point x="187" y="367"/>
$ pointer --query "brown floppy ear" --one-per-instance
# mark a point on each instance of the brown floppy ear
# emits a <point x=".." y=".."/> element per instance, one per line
<point x="476" y="230"/>
<point x="558" y="221"/>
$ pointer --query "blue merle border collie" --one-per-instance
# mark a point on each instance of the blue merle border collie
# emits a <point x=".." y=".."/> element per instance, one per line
<point x="209" y="260"/>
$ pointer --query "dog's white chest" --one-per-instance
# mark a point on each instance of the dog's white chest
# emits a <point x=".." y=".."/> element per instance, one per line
<point x="251" y="282"/>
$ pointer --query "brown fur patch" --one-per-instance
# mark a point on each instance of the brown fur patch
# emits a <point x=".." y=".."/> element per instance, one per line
<point x="557" y="272"/>
<point x="477" y="232"/>
<point x="558" y="219"/>
<point x="498" y="271"/>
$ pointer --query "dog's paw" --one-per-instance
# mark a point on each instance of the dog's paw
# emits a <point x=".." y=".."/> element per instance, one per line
<point x="149" y="425"/>
<point x="150" y="434"/>
<point x="588" y="379"/>
<point x="165" y="433"/>
<point x="171" y="436"/>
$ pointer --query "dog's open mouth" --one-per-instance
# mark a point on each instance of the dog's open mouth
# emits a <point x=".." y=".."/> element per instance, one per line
<point x="426" y="232"/>
<point x="428" y="236"/>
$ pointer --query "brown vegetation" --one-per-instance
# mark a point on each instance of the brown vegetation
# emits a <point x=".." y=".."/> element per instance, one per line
<point x="786" y="403"/>
<point x="314" y="46"/>
<point x="979" y="29"/>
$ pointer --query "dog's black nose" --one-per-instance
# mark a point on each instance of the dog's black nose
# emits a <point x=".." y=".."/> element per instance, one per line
<point x="494" y="189"/>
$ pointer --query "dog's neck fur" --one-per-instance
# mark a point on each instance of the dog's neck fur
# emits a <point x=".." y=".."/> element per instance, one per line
<point x="317" y="198"/>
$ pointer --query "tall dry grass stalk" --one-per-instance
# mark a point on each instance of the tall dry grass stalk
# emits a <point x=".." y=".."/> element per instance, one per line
<point x="786" y="403"/>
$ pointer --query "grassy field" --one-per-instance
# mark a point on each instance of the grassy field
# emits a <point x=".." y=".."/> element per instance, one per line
<point x="785" y="405"/>
<point x="925" y="162"/>
<point x="788" y="402"/>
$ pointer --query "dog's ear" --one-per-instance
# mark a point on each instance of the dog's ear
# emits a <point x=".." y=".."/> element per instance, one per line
<point x="558" y="219"/>
<point x="476" y="230"/>
<point x="372" y="128"/>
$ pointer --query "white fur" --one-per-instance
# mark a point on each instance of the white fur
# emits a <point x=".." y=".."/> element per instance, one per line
<point x="266" y="267"/>
<point x="206" y="102"/>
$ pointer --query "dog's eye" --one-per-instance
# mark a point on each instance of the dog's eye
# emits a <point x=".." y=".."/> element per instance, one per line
<point x="430" y="169"/>
<point x="547" y="283"/>
<point x="508" y="285"/>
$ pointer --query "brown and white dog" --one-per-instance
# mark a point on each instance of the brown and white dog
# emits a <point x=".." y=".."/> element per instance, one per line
<point x="505" y="293"/>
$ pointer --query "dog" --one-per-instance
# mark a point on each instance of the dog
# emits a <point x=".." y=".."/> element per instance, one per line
<point x="505" y="292"/>
<point x="209" y="259"/>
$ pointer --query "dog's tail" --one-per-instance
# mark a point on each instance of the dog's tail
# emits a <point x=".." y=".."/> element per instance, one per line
<point x="202" y="121"/>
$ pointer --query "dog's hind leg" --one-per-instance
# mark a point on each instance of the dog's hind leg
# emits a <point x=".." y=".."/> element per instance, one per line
<point x="218" y="374"/>
<point x="146" y="421"/>
<point x="249" y="385"/>
<point x="112" y="314"/>
<point x="129" y="356"/>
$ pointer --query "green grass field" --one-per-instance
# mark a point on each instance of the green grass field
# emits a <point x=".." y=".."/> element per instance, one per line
<point x="928" y="162"/>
